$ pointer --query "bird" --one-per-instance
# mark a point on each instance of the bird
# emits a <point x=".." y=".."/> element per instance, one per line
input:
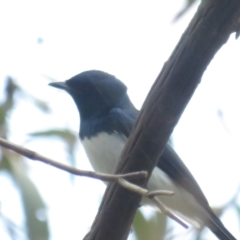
<point x="107" y="116"/>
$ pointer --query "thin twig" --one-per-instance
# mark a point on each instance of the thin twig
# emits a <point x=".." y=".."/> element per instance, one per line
<point x="132" y="187"/>
<point x="35" y="156"/>
<point x="167" y="212"/>
<point x="120" y="178"/>
<point x="152" y="195"/>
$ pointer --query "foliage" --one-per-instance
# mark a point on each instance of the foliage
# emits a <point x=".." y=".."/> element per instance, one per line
<point x="37" y="224"/>
<point x="14" y="166"/>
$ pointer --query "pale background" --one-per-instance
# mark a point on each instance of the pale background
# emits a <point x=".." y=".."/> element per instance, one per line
<point x="132" y="40"/>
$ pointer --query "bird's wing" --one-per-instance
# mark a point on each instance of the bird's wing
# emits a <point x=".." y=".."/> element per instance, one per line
<point x="122" y="120"/>
<point x="169" y="162"/>
<point x="173" y="166"/>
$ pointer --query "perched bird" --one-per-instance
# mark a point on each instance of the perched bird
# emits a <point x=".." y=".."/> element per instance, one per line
<point x="107" y="118"/>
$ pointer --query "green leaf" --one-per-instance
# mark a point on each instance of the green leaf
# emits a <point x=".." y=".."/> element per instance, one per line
<point x="64" y="134"/>
<point x="69" y="138"/>
<point x="3" y="115"/>
<point x="152" y="229"/>
<point x="9" y="102"/>
<point x="33" y="205"/>
<point x="237" y="207"/>
<point x="41" y="105"/>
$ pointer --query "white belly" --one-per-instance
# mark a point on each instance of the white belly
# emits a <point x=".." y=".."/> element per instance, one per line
<point x="104" y="151"/>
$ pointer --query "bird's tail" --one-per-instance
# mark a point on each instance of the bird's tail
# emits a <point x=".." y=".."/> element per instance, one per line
<point x="217" y="227"/>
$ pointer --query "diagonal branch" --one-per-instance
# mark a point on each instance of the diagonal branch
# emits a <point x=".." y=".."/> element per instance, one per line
<point x="153" y="196"/>
<point x="209" y="29"/>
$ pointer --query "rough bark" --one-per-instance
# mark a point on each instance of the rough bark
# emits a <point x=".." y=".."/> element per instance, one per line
<point x="209" y="29"/>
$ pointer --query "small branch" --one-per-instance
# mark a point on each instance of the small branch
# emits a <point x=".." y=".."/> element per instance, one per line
<point x="132" y="187"/>
<point x="104" y="177"/>
<point x="37" y="157"/>
<point x="152" y="195"/>
<point x="159" y="192"/>
<point x="167" y="212"/>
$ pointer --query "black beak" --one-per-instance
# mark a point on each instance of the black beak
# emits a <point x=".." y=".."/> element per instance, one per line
<point x="61" y="85"/>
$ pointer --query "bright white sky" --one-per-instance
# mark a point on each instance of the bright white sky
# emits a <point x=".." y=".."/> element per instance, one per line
<point x="132" y="40"/>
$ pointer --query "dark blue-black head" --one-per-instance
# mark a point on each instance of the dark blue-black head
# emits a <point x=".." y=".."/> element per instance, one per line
<point x="94" y="92"/>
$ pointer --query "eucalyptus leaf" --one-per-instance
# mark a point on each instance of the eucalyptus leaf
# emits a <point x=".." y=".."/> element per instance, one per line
<point x="68" y="137"/>
<point x="33" y="205"/>
<point x="41" y="105"/>
<point x="153" y="228"/>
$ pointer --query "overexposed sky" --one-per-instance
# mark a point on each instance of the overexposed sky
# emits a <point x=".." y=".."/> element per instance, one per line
<point x="132" y="40"/>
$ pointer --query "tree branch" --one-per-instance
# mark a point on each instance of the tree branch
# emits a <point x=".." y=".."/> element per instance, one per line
<point x="210" y="28"/>
<point x="83" y="173"/>
<point x="152" y="195"/>
<point x="104" y="177"/>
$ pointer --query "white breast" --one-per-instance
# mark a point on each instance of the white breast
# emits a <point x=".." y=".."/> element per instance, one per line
<point x="104" y="150"/>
